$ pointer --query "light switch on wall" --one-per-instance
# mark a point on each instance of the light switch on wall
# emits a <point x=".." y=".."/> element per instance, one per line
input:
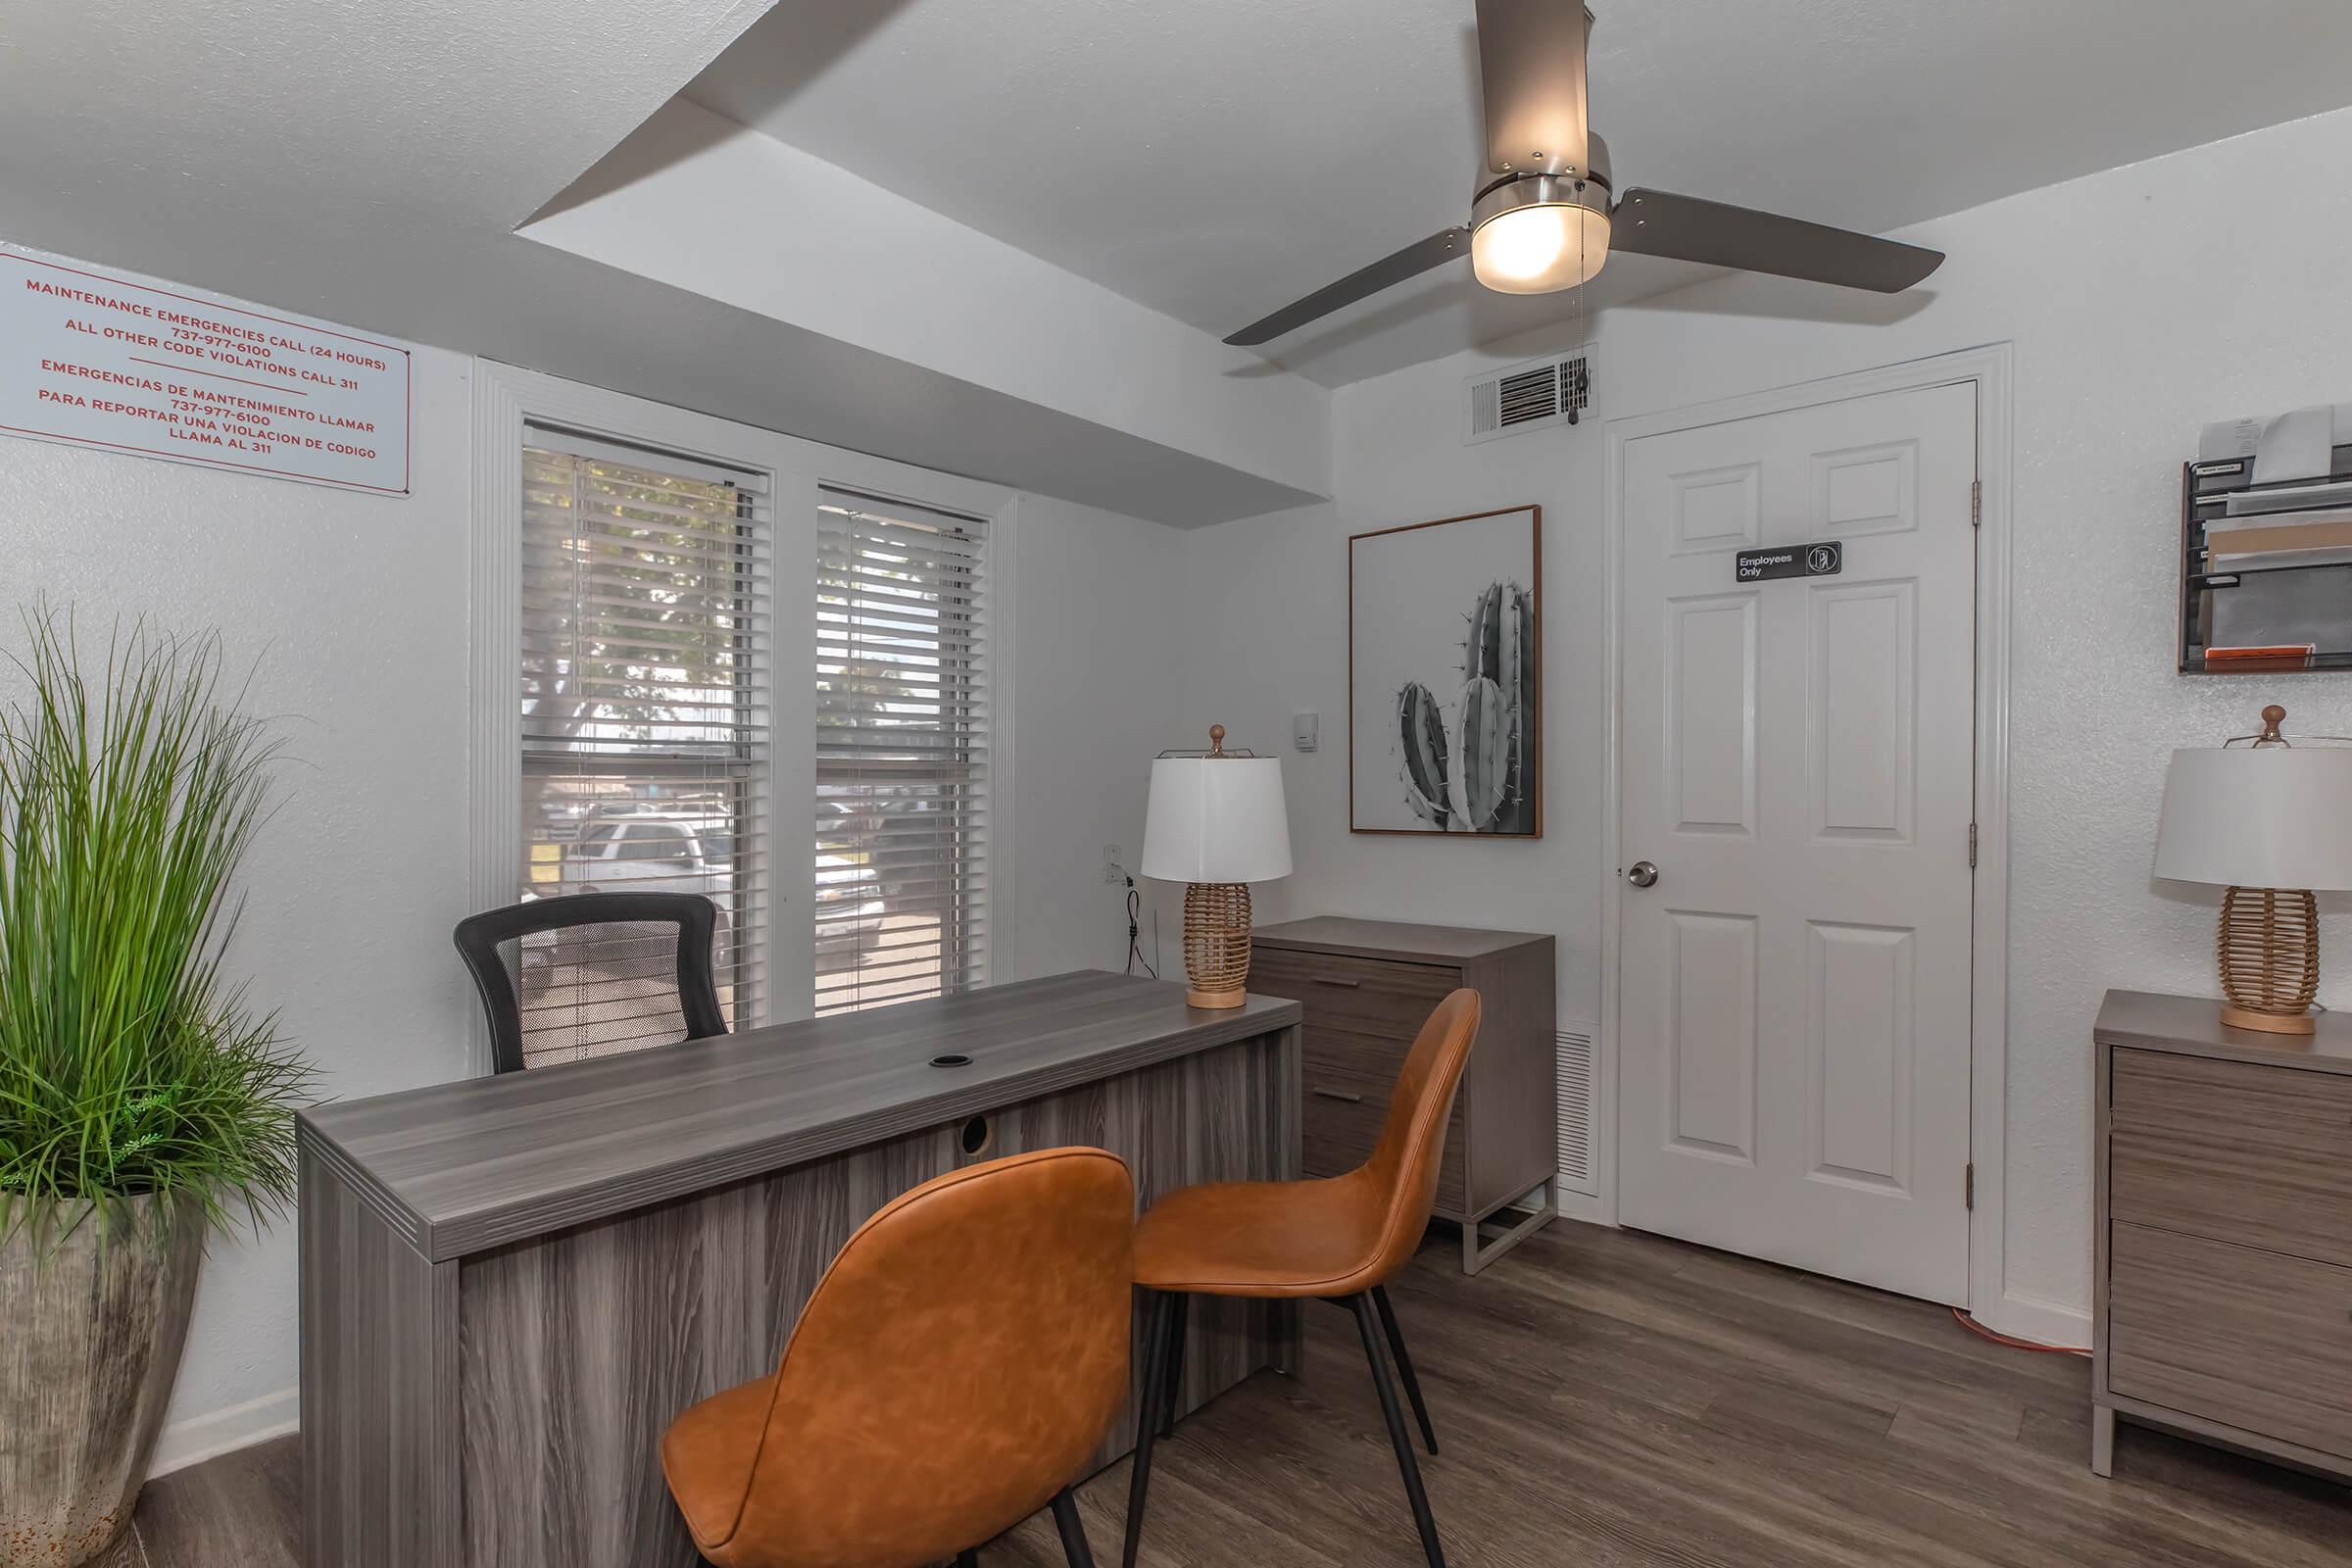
<point x="1302" y="730"/>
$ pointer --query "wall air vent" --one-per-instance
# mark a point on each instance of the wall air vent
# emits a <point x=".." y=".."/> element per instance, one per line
<point x="1578" y="1108"/>
<point x="1530" y="397"/>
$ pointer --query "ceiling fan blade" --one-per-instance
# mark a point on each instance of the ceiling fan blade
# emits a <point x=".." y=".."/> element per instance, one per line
<point x="1386" y="273"/>
<point x="1531" y="68"/>
<point x="1657" y="222"/>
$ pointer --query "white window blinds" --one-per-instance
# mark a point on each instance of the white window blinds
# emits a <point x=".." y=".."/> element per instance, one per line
<point x="645" y="699"/>
<point x="901" y="752"/>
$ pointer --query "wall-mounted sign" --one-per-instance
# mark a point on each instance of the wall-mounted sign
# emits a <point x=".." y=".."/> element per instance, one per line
<point x="103" y="361"/>
<point x="1824" y="560"/>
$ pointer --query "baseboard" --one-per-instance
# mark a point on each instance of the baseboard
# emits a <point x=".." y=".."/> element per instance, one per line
<point x="240" y="1425"/>
<point x="1585" y="1209"/>
<point x="2029" y="1317"/>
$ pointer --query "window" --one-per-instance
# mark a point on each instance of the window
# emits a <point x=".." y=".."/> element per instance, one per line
<point x="644" y="686"/>
<point x="901" y="752"/>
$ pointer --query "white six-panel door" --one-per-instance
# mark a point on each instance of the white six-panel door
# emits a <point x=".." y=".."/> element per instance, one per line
<point x="1798" y="763"/>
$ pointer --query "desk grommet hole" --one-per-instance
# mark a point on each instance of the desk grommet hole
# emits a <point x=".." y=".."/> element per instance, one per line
<point x="950" y="1058"/>
<point x="978" y="1135"/>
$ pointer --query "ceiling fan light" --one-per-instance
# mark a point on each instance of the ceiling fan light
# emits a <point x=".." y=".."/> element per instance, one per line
<point x="1538" y="235"/>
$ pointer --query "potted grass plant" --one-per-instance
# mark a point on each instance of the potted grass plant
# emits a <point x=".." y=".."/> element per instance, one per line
<point x="144" y="1101"/>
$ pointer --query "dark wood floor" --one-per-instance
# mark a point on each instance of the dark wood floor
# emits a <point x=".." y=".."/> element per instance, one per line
<point x="1606" y="1398"/>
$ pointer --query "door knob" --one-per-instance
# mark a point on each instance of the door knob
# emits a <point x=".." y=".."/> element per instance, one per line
<point x="1641" y="873"/>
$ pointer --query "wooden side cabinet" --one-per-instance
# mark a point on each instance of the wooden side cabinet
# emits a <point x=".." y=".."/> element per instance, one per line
<point x="1366" y="986"/>
<point x="2223" y="1283"/>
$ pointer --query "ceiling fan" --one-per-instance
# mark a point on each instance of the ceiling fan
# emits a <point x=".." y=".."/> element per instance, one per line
<point x="1542" y="218"/>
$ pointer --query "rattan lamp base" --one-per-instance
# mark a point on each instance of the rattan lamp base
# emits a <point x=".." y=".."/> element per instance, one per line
<point x="2270" y="1023"/>
<point x="2270" y="954"/>
<point x="1216" y="943"/>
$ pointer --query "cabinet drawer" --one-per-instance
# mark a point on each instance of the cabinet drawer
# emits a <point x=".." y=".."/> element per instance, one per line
<point x="2242" y="1337"/>
<point x="2234" y="1152"/>
<point x="1344" y="1109"/>
<point x="1369" y="996"/>
<point x="1341" y="1048"/>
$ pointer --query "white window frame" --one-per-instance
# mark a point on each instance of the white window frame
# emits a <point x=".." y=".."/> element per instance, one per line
<point x="505" y="399"/>
<point x="994" y="623"/>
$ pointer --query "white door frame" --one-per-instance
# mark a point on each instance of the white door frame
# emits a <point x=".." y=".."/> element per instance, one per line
<point x="1990" y="368"/>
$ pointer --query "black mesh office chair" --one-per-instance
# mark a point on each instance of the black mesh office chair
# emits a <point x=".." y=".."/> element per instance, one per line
<point x="593" y="974"/>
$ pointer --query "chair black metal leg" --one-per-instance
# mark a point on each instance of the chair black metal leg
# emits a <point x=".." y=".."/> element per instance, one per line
<point x="1146" y="1425"/>
<point x="1399" y="1437"/>
<point x="1073" y="1531"/>
<point x="1405" y="1366"/>
<point x="1175" y="1391"/>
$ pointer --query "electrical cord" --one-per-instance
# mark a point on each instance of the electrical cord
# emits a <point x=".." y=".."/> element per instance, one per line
<point x="1135" y="945"/>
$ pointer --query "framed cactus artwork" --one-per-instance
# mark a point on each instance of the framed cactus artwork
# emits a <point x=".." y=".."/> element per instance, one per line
<point x="1446" y="676"/>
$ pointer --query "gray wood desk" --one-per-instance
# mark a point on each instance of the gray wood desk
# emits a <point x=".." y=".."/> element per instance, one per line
<point x="511" y="1284"/>
<point x="2223" y="1232"/>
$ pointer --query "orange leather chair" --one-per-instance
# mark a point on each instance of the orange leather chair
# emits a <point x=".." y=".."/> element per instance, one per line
<point x="1340" y="1240"/>
<point x="955" y="1369"/>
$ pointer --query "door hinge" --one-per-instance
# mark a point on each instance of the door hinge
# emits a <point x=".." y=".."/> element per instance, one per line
<point x="1972" y="845"/>
<point x="1969" y="1183"/>
<point x="1976" y="503"/>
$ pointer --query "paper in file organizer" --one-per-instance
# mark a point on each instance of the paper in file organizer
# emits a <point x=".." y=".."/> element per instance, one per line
<point x="2273" y="536"/>
<point x="2299" y="444"/>
<point x="2291" y="499"/>
<point x="2276" y="584"/>
<point x="2280" y="523"/>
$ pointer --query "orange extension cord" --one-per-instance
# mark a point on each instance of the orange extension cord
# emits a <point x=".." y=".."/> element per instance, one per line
<point x="1975" y="1327"/>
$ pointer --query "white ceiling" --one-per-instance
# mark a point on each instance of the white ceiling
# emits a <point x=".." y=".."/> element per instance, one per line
<point x="1215" y="159"/>
<point x="368" y="160"/>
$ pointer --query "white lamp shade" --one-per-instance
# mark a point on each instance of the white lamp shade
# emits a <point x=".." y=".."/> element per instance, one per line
<point x="2270" y="816"/>
<point x="1216" y="819"/>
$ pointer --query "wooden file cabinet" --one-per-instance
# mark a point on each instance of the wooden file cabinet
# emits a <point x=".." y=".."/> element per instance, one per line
<point x="1365" y="987"/>
<point x="2223" y="1232"/>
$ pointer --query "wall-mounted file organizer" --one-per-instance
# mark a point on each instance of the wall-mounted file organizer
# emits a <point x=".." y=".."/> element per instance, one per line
<point x="2266" y="569"/>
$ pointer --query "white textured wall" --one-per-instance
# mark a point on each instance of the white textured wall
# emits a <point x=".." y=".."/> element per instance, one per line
<point x="1268" y="603"/>
<point x="1098" y="643"/>
<point x="2136" y="316"/>
<point x="356" y="607"/>
<point x="352" y="610"/>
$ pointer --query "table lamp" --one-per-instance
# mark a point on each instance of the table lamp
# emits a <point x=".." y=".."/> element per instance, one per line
<point x="2271" y="822"/>
<point x="1217" y="823"/>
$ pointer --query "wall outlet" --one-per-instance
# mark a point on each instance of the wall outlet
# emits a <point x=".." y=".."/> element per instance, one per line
<point x="1112" y="870"/>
